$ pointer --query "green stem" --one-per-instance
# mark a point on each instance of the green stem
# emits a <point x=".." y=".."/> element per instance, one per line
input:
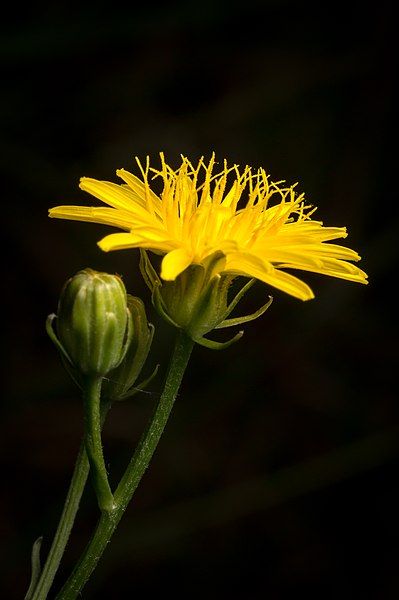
<point x="61" y="537"/>
<point x="93" y="443"/>
<point x="134" y="472"/>
<point x="71" y="506"/>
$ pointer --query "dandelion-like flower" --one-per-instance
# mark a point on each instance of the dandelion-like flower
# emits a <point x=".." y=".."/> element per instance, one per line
<point x="260" y="227"/>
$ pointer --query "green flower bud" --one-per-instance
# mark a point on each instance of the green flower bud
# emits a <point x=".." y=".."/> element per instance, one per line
<point x="93" y="324"/>
<point x="120" y="383"/>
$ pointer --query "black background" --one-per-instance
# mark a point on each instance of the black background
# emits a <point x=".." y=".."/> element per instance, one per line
<point x="277" y="473"/>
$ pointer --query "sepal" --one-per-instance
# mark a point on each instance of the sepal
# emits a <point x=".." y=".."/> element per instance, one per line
<point x="36" y="568"/>
<point x="121" y="382"/>
<point x="148" y="272"/>
<point x="213" y="345"/>
<point x="140" y="387"/>
<point x="246" y="318"/>
<point x="53" y="337"/>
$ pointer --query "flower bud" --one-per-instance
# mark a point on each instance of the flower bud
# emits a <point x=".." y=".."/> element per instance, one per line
<point x="94" y="324"/>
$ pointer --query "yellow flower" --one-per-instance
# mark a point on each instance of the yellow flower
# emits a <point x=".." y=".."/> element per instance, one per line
<point x="199" y="213"/>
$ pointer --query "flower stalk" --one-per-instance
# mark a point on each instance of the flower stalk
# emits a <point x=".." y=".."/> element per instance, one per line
<point x="134" y="472"/>
<point x="67" y="519"/>
<point x="71" y="506"/>
<point x="93" y="443"/>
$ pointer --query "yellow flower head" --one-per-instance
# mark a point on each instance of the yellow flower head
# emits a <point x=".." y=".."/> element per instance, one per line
<point x="261" y="227"/>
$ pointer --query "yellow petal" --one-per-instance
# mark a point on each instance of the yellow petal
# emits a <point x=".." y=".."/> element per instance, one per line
<point x="289" y="284"/>
<point x="314" y="230"/>
<point x="333" y="268"/>
<point x="174" y="263"/>
<point x="254" y="266"/>
<point x="138" y="187"/>
<point x="118" y="241"/>
<point x="101" y="214"/>
<point x="293" y="257"/>
<point x="246" y="263"/>
<point x="117" y="196"/>
<point x="331" y="251"/>
<point x="232" y="196"/>
<point x="73" y="213"/>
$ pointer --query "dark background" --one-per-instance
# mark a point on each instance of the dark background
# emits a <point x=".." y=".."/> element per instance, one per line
<point x="277" y="473"/>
